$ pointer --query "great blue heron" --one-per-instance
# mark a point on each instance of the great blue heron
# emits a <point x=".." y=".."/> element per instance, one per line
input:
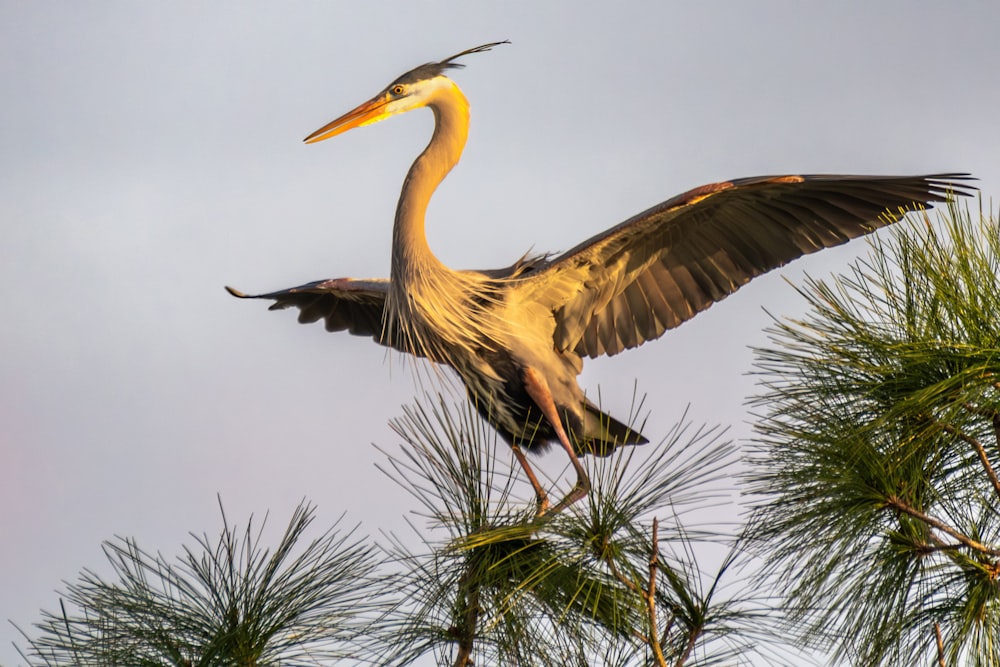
<point x="516" y="336"/>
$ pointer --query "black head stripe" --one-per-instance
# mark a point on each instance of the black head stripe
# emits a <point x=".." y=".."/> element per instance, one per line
<point x="431" y="70"/>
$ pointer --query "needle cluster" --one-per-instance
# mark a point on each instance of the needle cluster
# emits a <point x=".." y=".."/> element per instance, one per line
<point x="229" y="601"/>
<point x="877" y="461"/>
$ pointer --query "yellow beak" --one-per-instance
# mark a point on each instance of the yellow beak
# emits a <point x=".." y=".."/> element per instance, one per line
<point x="369" y="112"/>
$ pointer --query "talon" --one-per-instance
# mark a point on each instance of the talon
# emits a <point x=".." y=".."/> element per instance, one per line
<point x="543" y="507"/>
<point x="579" y="492"/>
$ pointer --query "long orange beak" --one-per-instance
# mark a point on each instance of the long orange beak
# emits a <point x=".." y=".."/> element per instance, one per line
<point x="369" y="112"/>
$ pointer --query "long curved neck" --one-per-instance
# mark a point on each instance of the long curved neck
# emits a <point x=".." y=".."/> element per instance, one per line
<point x="411" y="255"/>
<point x="431" y="310"/>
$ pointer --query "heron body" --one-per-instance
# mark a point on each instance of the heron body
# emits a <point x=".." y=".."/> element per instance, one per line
<point x="480" y="325"/>
<point x="517" y="336"/>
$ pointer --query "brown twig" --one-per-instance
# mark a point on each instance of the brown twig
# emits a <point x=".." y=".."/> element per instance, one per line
<point x="654" y="566"/>
<point x="616" y="573"/>
<point x="605" y="556"/>
<point x="924" y="548"/>
<point x="895" y="502"/>
<point x="996" y="427"/>
<point x="692" y="638"/>
<point x="980" y="451"/>
<point x="940" y="645"/>
<point x="648" y="595"/>
<point x="976" y="410"/>
<point x="466" y="634"/>
<point x="667" y="628"/>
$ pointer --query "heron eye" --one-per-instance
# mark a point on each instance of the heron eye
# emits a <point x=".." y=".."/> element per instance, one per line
<point x="397" y="89"/>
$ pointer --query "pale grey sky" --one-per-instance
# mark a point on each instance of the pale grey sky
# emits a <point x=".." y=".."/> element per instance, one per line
<point x="151" y="153"/>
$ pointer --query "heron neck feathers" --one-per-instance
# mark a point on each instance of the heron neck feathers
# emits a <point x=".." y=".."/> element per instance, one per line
<point x="438" y="311"/>
<point x="411" y="253"/>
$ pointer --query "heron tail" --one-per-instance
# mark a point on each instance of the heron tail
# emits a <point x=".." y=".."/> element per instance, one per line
<point x="604" y="433"/>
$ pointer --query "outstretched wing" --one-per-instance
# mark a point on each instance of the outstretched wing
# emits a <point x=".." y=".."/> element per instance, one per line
<point x="344" y="304"/>
<point x="358" y="305"/>
<point x="662" y="267"/>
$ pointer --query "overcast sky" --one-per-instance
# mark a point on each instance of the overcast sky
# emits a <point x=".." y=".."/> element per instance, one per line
<point x="151" y="153"/>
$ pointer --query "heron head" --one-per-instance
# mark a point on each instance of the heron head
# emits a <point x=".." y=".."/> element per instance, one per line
<point x="415" y="89"/>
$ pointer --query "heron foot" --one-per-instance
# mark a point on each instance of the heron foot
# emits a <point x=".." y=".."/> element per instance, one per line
<point x="579" y="491"/>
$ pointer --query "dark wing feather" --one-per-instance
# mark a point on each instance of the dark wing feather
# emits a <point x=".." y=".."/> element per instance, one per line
<point x="344" y="304"/>
<point x="663" y="266"/>
<point x="358" y="305"/>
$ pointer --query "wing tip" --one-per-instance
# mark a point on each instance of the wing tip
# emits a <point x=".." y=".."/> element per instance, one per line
<point x="953" y="185"/>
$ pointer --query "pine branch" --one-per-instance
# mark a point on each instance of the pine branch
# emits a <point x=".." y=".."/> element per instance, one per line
<point x="896" y="503"/>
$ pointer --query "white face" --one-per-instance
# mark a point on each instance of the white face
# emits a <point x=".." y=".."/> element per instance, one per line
<point x="403" y="97"/>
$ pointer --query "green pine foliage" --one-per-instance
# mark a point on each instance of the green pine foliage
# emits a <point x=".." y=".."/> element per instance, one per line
<point x="611" y="582"/>
<point x="602" y="583"/>
<point x="231" y="601"/>
<point x="879" y="449"/>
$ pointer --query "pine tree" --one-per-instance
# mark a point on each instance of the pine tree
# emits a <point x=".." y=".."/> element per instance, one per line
<point x="879" y="450"/>
<point x="874" y="534"/>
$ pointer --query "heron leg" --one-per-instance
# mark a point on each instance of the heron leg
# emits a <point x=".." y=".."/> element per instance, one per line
<point x="540" y="495"/>
<point x="538" y="389"/>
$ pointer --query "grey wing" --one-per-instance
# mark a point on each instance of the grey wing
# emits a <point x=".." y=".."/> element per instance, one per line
<point x="662" y="267"/>
<point x="344" y="304"/>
